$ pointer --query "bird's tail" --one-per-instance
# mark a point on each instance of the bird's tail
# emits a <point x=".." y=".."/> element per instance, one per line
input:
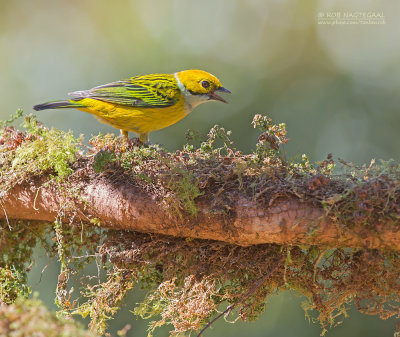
<point x="58" y="105"/>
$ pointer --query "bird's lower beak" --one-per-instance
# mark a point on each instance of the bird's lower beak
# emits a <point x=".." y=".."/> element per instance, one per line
<point x="216" y="97"/>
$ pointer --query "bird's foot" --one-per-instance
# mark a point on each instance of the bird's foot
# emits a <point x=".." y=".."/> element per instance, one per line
<point x="131" y="143"/>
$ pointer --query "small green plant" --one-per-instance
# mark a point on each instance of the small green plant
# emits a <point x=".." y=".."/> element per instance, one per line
<point x="102" y="159"/>
<point x="207" y="142"/>
<point x="272" y="137"/>
<point x="19" y="113"/>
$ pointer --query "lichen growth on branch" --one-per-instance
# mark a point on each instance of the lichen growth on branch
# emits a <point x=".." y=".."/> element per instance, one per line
<point x="188" y="280"/>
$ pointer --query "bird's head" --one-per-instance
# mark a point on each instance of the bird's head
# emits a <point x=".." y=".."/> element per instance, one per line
<point x="199" y="86"/>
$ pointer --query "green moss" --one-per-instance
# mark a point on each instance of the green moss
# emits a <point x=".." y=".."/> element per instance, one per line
<point x="37" y="150"/>
<point x="102" y="159"/>
<point x="48" y="149"/>
<point x="12" y="285"/>
<point x="154" y="170"/>
<point x="186" y="190"/>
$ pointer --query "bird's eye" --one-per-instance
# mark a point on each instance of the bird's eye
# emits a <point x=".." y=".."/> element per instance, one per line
<point x="205" y="84"/>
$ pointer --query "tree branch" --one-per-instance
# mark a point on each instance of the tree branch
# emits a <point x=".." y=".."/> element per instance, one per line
<point x="122" y="205"/>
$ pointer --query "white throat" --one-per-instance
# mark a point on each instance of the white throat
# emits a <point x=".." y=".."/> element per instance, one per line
<point x="191" y="101"/>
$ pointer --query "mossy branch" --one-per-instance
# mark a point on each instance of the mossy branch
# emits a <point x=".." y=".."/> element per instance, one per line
<point x="207" y="193"/>
<point x="314" y="212"/>
<point x="116" y="204"/>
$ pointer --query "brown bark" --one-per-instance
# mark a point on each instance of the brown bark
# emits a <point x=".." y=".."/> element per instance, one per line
<point x="123" y="206"/>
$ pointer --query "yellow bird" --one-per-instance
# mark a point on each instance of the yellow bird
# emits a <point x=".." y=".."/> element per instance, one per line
<point x="142" y="104"/>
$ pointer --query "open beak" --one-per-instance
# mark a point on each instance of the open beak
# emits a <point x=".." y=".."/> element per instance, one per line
<point x="216" y="97"/>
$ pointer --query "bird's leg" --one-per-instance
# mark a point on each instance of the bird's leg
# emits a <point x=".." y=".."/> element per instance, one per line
<point x="128" y="141"/>
<point x="124" y="133"/>
<point x="144" y="138"/>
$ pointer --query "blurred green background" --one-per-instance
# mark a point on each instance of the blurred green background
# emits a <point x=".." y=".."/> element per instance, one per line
<point x="336" y="87"/>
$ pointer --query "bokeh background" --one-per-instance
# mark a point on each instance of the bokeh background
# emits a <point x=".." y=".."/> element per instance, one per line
<point x="336" y="86"/>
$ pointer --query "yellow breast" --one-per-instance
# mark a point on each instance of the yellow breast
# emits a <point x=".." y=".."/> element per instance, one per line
<point x="138" y="120"/>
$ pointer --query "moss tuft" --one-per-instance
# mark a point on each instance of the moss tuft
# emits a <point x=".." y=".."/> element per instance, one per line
<point x="46" y="149"/>
<point x="38" y="150"/>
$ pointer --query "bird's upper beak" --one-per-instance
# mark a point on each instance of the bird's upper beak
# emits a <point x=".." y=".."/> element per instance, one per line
<point x="216" y="97"/>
